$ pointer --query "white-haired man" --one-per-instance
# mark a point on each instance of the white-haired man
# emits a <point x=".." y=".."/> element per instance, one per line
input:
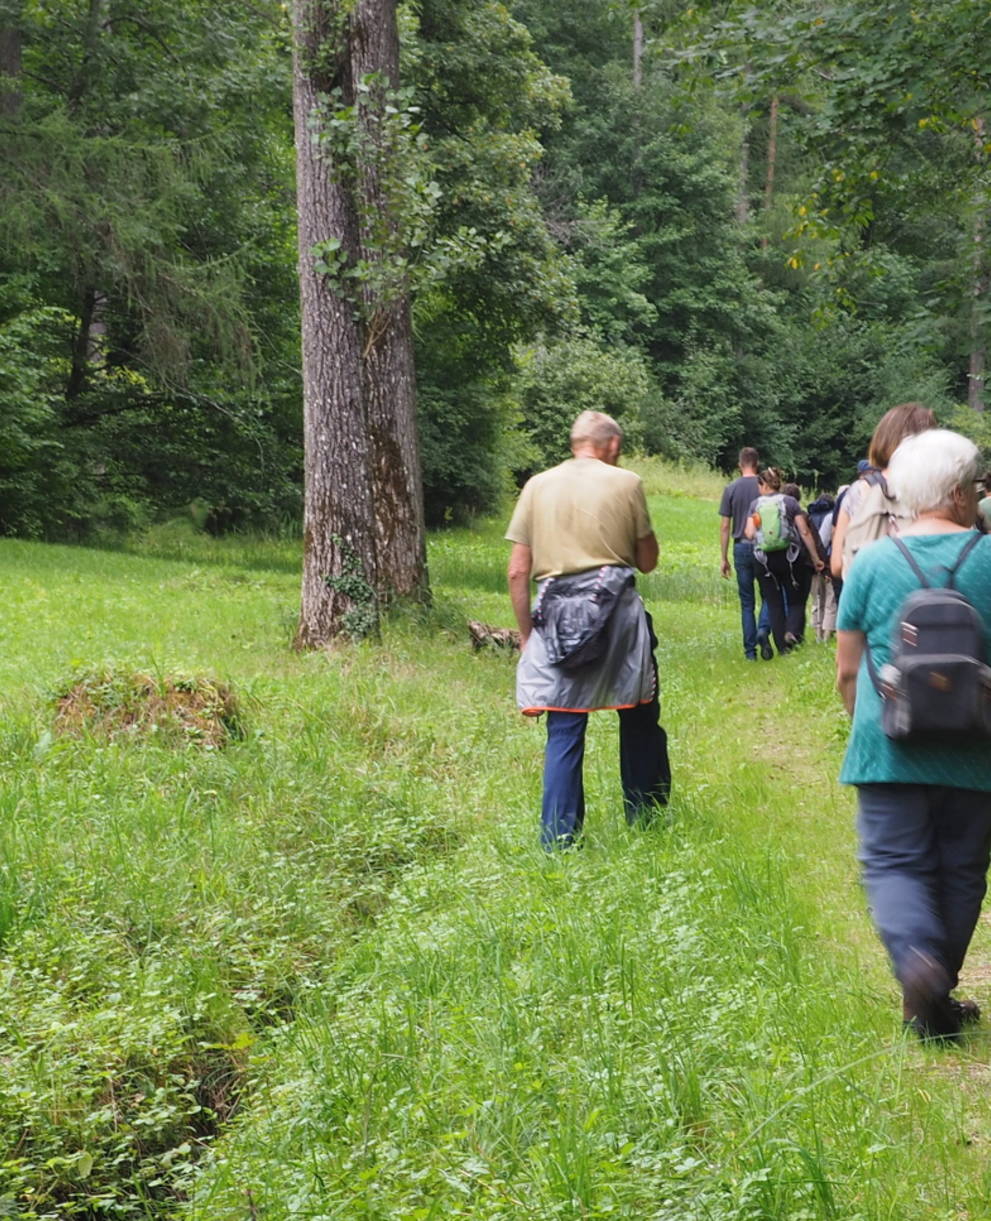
<point x="580" y="530"/>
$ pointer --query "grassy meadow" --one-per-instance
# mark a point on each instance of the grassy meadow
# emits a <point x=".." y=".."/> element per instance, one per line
<point x="325" y="971"/>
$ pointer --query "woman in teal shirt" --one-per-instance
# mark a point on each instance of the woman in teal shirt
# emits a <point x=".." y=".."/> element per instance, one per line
<point x="924" y="811"/>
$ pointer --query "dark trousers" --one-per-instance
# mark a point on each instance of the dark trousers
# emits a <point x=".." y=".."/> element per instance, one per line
<point x="644" y="768"/>
<point x="924" y="850"/>
<point x="785" y="589"/>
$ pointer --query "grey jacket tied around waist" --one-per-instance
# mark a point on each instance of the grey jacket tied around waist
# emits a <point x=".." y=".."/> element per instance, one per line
<point x="573" y="612"/>
<point x="591" y="645"/>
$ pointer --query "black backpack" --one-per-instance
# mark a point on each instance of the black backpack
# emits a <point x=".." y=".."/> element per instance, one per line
<point x="937" y="683"/>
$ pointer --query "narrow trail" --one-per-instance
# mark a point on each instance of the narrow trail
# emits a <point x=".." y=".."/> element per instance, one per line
<point x="817" y="834"/>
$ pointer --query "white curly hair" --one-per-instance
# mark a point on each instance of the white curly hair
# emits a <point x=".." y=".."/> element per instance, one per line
<point x="926" y="468"/>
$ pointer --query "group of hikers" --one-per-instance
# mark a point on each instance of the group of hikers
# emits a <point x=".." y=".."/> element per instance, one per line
<point x="899" y="566"/>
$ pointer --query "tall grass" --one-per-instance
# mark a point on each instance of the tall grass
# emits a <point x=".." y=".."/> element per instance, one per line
<point x="326" y="971"/>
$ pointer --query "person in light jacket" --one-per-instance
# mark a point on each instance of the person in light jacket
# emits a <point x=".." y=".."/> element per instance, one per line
<point x="581" y="530"/>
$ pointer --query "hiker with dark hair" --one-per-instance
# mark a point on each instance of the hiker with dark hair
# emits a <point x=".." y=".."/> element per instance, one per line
<point x="804" y="572"/>
<point x="736" y="500"/>
<point x="914" y="631"/>
<point x="868" y="502"/>
<point x="779" y="531"/>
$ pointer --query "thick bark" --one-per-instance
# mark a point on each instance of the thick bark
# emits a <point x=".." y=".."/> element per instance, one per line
<point x="10" y="71"/>
<point x="338" y="529"/>
<point x="771" y="164"/>
<point x="637" y="49"/>
<point x="979" y="289"/>
<point x="388" y="375"/>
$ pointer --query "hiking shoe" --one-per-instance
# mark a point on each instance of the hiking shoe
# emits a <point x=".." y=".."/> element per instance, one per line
<point x="968" y="1012"/>
<point x="766" y="651"/>
<point x="925" y="987"/>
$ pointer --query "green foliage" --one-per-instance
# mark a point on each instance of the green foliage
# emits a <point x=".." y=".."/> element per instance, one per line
<point x="611" y="276"/>
<point x="146" y="233"/>
<point x="557" y="380"/>
<point x="496" y="277"/>
<point x="32" y="368"/>
<point x="362" y="619"/>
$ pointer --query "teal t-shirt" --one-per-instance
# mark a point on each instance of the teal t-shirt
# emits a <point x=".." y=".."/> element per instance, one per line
<point x="879" y="580"/>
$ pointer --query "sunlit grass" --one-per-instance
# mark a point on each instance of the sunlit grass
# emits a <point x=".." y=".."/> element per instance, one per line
<point x="336" y="942"/>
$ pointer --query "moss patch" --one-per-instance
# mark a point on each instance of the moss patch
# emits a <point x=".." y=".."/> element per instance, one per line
<point x="174" y="710"/>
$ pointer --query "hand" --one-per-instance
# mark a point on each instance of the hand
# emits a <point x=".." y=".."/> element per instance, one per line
<point x="725" y="568"/>
<point x="819" y="566"/>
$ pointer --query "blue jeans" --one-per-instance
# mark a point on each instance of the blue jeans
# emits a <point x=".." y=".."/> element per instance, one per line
<point x="746" y="574"/>
<point x="645" y="771"/>
<point x="924" y="851"/>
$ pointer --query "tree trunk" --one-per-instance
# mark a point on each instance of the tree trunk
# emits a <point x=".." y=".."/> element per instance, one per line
<point x="743" y="172"/>
<point x="637" y="49"/>
<point x="979" y="289"/>
<point x="79" y="368"/>
<point x="10" y="71"/>
<point x="388" y="375"/>
<point x="339" y="570"/>
<point x="80" y="83"/>
<point x="772" y="164"/>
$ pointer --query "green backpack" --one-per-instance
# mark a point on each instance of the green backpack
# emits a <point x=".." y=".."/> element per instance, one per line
<point x="773" y="530"/>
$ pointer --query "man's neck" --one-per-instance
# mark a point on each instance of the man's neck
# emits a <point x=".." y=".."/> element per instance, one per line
<point x="593" y="451"/>
<point x="748" y="470"/>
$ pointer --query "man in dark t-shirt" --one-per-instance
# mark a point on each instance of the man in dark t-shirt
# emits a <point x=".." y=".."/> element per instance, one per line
<point x="738" y="496"/>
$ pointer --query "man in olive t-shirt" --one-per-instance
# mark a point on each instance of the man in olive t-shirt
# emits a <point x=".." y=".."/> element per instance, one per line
<point x="585" y="515"/>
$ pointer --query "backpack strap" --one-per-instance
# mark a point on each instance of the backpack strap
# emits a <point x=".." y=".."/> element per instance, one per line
<point x="965" y="550"/>
<point x="871" y="668"/>
<point x="915" y="567"/>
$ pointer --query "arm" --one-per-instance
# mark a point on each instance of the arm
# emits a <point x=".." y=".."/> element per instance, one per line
<point x="518" y="577"/>
<point x="724" y="523"/>
<point x="849" y="650"/>
<point x="646" y="552"/>
<point x="809" y="541"/>
<point x="839" y="536"/>
<point x="750" y="529"/>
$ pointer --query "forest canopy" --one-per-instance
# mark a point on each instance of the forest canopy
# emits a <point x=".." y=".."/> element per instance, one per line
<point x="724" y="224"/>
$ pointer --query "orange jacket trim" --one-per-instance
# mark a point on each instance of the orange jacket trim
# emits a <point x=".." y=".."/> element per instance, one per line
<point x="597" y="708"/>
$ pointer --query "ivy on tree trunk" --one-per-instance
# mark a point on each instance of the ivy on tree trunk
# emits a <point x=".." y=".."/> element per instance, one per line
<point x="338" y="531"/>
<point x="364" y="537"/>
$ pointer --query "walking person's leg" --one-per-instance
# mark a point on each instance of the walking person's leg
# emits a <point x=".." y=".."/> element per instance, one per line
<point x="963" y="842"/>
<point x="829" y="614"/>
<point x="773" y="600"/>
<point x="819" y="587"/>
<point x="900" y="860"/>
<point x="563" y="809"/>
<point x="644" y="765"/>
<point x="743" y="565"/>
<point x="798" y="596"/>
